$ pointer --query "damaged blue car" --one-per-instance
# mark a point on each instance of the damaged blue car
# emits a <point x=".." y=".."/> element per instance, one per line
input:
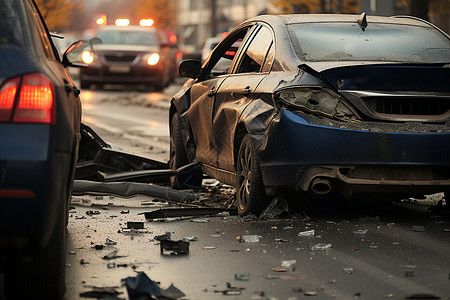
<point x="343" y="105"/>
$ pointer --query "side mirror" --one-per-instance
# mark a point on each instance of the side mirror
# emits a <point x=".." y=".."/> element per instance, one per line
<point x="73" y="56"/>
<point x="190" y="68"/>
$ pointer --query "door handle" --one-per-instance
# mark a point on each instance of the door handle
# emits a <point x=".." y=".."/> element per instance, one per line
<point x="211" y="92"/>
<point x="247" y="91"/>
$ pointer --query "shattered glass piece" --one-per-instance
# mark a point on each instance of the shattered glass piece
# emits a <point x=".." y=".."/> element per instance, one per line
<point x="288" y="263"/>
<point x="418" y="228"/>
<point x="348" y="270"/>
<point x="242" y="276"/>
<point x="110" y="242"/>
<point x="307" y="233"/>
<point x="165" y="236"/>
<point x="409" y="271"/>
<point x="200" y="220"/>
<point x="361" y="231"/>
<point x="276" y="208"/>
<point x="320" y="247"/>
<point x="111" y="265"/>
<point x="174" y="247"/>
<point x="253" y="238"/>
<point x="190" y="239"/>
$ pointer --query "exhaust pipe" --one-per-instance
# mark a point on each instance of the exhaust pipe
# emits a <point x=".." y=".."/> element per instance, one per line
<point x="321" y="186"/>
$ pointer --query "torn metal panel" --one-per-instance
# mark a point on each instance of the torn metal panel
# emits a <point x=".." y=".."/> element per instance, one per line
<point x="128" y="189"/>
<point x="186" y="212"/>
<point x="174" y="247"/>
<point x="95" y="155"/>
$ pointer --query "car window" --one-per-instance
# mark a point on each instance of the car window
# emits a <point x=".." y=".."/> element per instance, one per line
<point x="225" y="54"/>
<point x="43" y="36"/>
<point x="255" y="54"/>
<point x="128" y="37"/>
<point x="269" y="59"/>
<point x="378" y="42"/>
<point x="10" y="27"/>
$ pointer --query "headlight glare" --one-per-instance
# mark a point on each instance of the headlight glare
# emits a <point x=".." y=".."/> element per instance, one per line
<point x="87" y="57"/>
<point x="153" y="59"/>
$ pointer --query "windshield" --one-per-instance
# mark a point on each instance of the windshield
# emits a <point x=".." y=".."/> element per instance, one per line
<point x="379" y="42"/>
<point x="128" y="37"/>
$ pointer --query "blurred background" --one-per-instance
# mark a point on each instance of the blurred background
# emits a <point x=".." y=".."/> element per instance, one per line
<point x="189" y="23"/>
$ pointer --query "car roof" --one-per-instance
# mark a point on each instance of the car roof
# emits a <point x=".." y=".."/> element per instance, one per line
<point x="345" y="18"/>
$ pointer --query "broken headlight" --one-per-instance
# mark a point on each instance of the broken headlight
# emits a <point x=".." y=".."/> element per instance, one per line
<point x="318" y="101"/>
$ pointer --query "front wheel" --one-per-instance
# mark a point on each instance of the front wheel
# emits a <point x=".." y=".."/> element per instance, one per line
<point x="179" y="158"/>
<point x="250" y="195"/>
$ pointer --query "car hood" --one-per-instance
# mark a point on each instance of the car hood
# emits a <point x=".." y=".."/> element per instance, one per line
<point x="382" y="76"/>
<point x="125" y="48"/>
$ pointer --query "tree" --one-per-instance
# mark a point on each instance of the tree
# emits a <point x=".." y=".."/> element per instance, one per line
<point x="56" y="13"/>
<point x="317" y="6"/>
<point x="161" y="11"/>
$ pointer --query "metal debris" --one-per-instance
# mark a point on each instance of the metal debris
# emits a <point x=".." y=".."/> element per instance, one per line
<point x="110" y="242"/>
<point x="242" y="277"/>
<point x="169" y="247"/>
<point x="307" y="233"/>
<point x="320" y="247"/>
<point x="142" y="287"/>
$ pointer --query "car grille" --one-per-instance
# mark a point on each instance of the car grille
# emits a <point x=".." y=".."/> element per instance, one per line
<point x="120" y="58"/>
<point x="408" y="106"/>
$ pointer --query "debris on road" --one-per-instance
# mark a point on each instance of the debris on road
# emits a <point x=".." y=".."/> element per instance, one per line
<point x="409" y="271"/>
<point x="112" y="255"/>
<point x="135" y="225"/>
<point x="190" y="239"/>
<point x="169" y="247"/>
<point x="288" y="263"/>
<point x="101" y="293"/>
<point x="165" y="236"/>
<point x="209" y="247"/>
<point x="418" y="228"/>
<point x="188" y="212"/>
<point x="110" y="242"/>
<point x="307" y="233"/>
<point x="200" y="220"/>
<point x="348" y="270"/>
<point x="128" y="189"/>
<point x="280" y="269"/>
<point x="92" y="212"/>
<point x="231" y="290"/>
<point x="242" y="277"/>
<point x="142" y="287"/>
<point x="320" y="247"/>
<point x="253" y="238"/>
<point x="361" y="231"/>
<point x="276" y="208"/>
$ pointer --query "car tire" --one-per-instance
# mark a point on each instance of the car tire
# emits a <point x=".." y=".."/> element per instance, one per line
<point x="250" y="191"/>
<point x="179" y="158"/>
<point x="41" y="275"/>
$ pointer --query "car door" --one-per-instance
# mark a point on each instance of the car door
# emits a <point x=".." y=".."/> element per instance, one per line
<point x="203" y="93"/>
<point x="237" y="91"/>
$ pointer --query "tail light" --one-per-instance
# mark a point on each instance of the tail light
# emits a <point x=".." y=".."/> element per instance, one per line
<point x="28" y="99"/>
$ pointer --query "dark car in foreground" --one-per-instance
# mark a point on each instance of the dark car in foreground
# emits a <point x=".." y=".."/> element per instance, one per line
<point x="129" y="55"/>
<point x="318" y="104"/>
<point x="40" y="115"/>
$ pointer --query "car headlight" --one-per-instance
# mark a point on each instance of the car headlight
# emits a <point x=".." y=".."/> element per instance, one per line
<point x="153" y="59"/>
<point x="87" y="57"/>
<point x="319" y="101"/>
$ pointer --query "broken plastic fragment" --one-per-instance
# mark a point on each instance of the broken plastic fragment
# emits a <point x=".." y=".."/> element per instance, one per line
<point x="110" y="242"/>
<point x="348" y="270"/>
<point x="307" y="233"/>
<point x="361" y="231"/>
<point x="288" y="263"/>
<point x="409" y="271"/>
<point x="418" y="228"/>
<point x="164" y="236"/>
<point x="320" y="247"/>
<point x="248" y="238"/>
<point x="242" y="276"/>
<point x="174" y="247"/>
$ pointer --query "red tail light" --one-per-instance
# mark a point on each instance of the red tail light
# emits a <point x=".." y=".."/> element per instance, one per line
<point x="7" y="96"/>
<point x="35" y="99"/>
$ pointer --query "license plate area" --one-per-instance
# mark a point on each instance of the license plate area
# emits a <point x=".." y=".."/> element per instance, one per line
<point x="119" y="69"/>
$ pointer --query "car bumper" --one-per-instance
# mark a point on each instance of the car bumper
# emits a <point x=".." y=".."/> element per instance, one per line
<point x="135" y="74"/>
<point x="33" y="184"/>
<point x="296" y="154"/>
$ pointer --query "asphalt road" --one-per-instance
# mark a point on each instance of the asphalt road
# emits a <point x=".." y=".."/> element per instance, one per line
<point x="374" y="250"/>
